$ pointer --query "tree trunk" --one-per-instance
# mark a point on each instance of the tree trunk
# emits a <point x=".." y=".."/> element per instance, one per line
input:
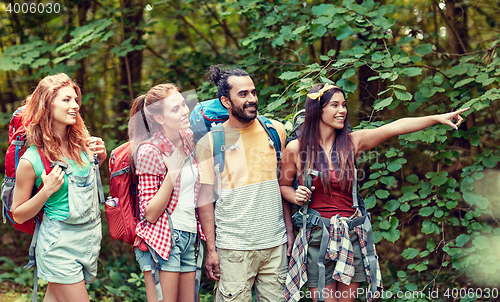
<point x="367" y="90"/>
<point x="458" y="40"/>
<point x="80" y="73"/>
<point x="132" y="73"/>
<point x="456" y="14"/>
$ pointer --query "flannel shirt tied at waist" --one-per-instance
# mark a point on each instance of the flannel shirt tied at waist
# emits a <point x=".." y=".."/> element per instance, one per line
<point x="339" y="249"/>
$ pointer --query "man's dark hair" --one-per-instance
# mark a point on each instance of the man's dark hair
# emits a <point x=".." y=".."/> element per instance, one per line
<point x="219" y="77"/>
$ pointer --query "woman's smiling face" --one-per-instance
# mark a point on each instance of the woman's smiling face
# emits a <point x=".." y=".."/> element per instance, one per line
<point x="335" y="111"/>
<point x="65" y="107"/>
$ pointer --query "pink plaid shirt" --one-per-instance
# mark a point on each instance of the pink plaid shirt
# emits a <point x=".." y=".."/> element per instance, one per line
<point x="151" y="171"/>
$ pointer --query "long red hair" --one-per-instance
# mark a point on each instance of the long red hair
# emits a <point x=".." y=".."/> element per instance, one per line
<point x="38" y="117"/>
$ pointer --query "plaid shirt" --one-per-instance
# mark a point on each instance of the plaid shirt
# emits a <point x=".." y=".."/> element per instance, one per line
<point x="151" y="171"/>
<point x="339" y="249"/>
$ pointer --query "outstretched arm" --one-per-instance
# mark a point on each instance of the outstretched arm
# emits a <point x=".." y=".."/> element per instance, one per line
<point x="367" y="139"/>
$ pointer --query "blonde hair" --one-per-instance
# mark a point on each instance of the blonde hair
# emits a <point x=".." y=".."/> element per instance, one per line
<point x="38" y="121"/>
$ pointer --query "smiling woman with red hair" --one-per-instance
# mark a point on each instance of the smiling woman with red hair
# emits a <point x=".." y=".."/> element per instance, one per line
<point x="69" y="239"/>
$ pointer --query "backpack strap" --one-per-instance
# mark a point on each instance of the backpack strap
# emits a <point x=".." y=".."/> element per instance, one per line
<point x="31" y="254"/>
<point x="155" y="272"/>
<point x="274" y="138"/>
<point x="199" y="264"/>
<point x="99" y="182"/>
<point x="219" y="150"/>
<point x="365" y="220"/>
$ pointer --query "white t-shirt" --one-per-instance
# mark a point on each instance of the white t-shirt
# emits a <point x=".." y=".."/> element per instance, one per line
<point x="183" y="217"/>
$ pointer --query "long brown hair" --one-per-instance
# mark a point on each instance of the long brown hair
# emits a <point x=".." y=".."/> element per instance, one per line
<point x="38" y="121"/>
<point x="142" y="124"/>
<point x="311" y="152"/>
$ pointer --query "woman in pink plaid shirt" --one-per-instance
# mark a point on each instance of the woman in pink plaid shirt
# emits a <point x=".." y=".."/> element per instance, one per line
<point x="168" y="186"/>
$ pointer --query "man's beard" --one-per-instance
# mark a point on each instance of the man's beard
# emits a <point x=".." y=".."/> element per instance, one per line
<point x="239" y="112"/>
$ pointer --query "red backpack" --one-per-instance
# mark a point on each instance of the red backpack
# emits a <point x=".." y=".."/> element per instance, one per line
<point x="123" y="214"/>
<point x="16" y="149"/>
<point x="122" y="206"/>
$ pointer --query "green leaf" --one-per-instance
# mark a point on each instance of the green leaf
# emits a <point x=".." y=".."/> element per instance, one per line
<point x="370" y="202"/>
<point x="457" y="70"/>
<point x="412" y="178"/>
<point x="415" y="58"/>
<point x="428" y="227"/>
<point x="279" y="41"/>
<point x="318" y="30"/>
<point x="349" y="73"/>
<point x="326" y="80"/>
<point x="392" y="205"/>
<point x="288" y="75"/>
<point x="377" y="236"/>
<point x="369" y="184"/>
<point x="462" y="239"/>
<point x="395" y="165"/>
<point x="388" y="180"/>
<point x="440" y="179"/>
<point x="411" y="287"/>
<point x="475" y="199"/>
<point x="481" y="78"/>
<point x="383" y="103"/>
<point x="412" y="71"/>
<point x="427" y="211"/>
<point x="378" y="56"/>
<point x="481" y="242"/>
<point x="463" y="82"/>
<point x="343" y="32"/>
<point x="392" y="235"/>
<point x="331" y="52"/>
<point x="431" y="244"/>
<point x="424" y="49"/>
<point x="385" y="225"/>
<point x="438" y="213"/>
<point x="403" y="95"/>
<point x="491" y="161"/>
<point x="323" y="21"/>
<point x="405" y="207"/>
<point x="421" y="267"/>
<point x="324" y="58"/>
<point x="410" y="253"/>
<point x="438" y="78"/>
<point x="382" y="194"/>
<point x="451" y="204"/>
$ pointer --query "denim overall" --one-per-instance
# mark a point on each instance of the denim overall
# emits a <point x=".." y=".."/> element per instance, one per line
<point x="67" y="251"/>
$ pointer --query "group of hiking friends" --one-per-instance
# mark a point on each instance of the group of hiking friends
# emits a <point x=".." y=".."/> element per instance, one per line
<point x="233" y="189"/>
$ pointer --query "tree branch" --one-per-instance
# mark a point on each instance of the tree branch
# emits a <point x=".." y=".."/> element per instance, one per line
<point x="450" y="26"/>
<point x="129" y="77"/>
<point x="223" y="23"/>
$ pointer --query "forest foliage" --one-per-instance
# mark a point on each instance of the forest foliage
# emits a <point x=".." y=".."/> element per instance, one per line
<point x="433" y="194"/>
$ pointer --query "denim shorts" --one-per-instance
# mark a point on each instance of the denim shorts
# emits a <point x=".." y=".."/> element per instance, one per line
<point x="66" y="253"/>
<point x="181" y="259"/>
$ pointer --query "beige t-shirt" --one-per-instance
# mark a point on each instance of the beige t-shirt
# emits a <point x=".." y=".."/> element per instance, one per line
<point x="249" y="212"/>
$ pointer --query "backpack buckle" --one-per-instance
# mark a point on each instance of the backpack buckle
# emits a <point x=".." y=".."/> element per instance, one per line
<point x="271" y="143"/>
<point x="61" y="164"/>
